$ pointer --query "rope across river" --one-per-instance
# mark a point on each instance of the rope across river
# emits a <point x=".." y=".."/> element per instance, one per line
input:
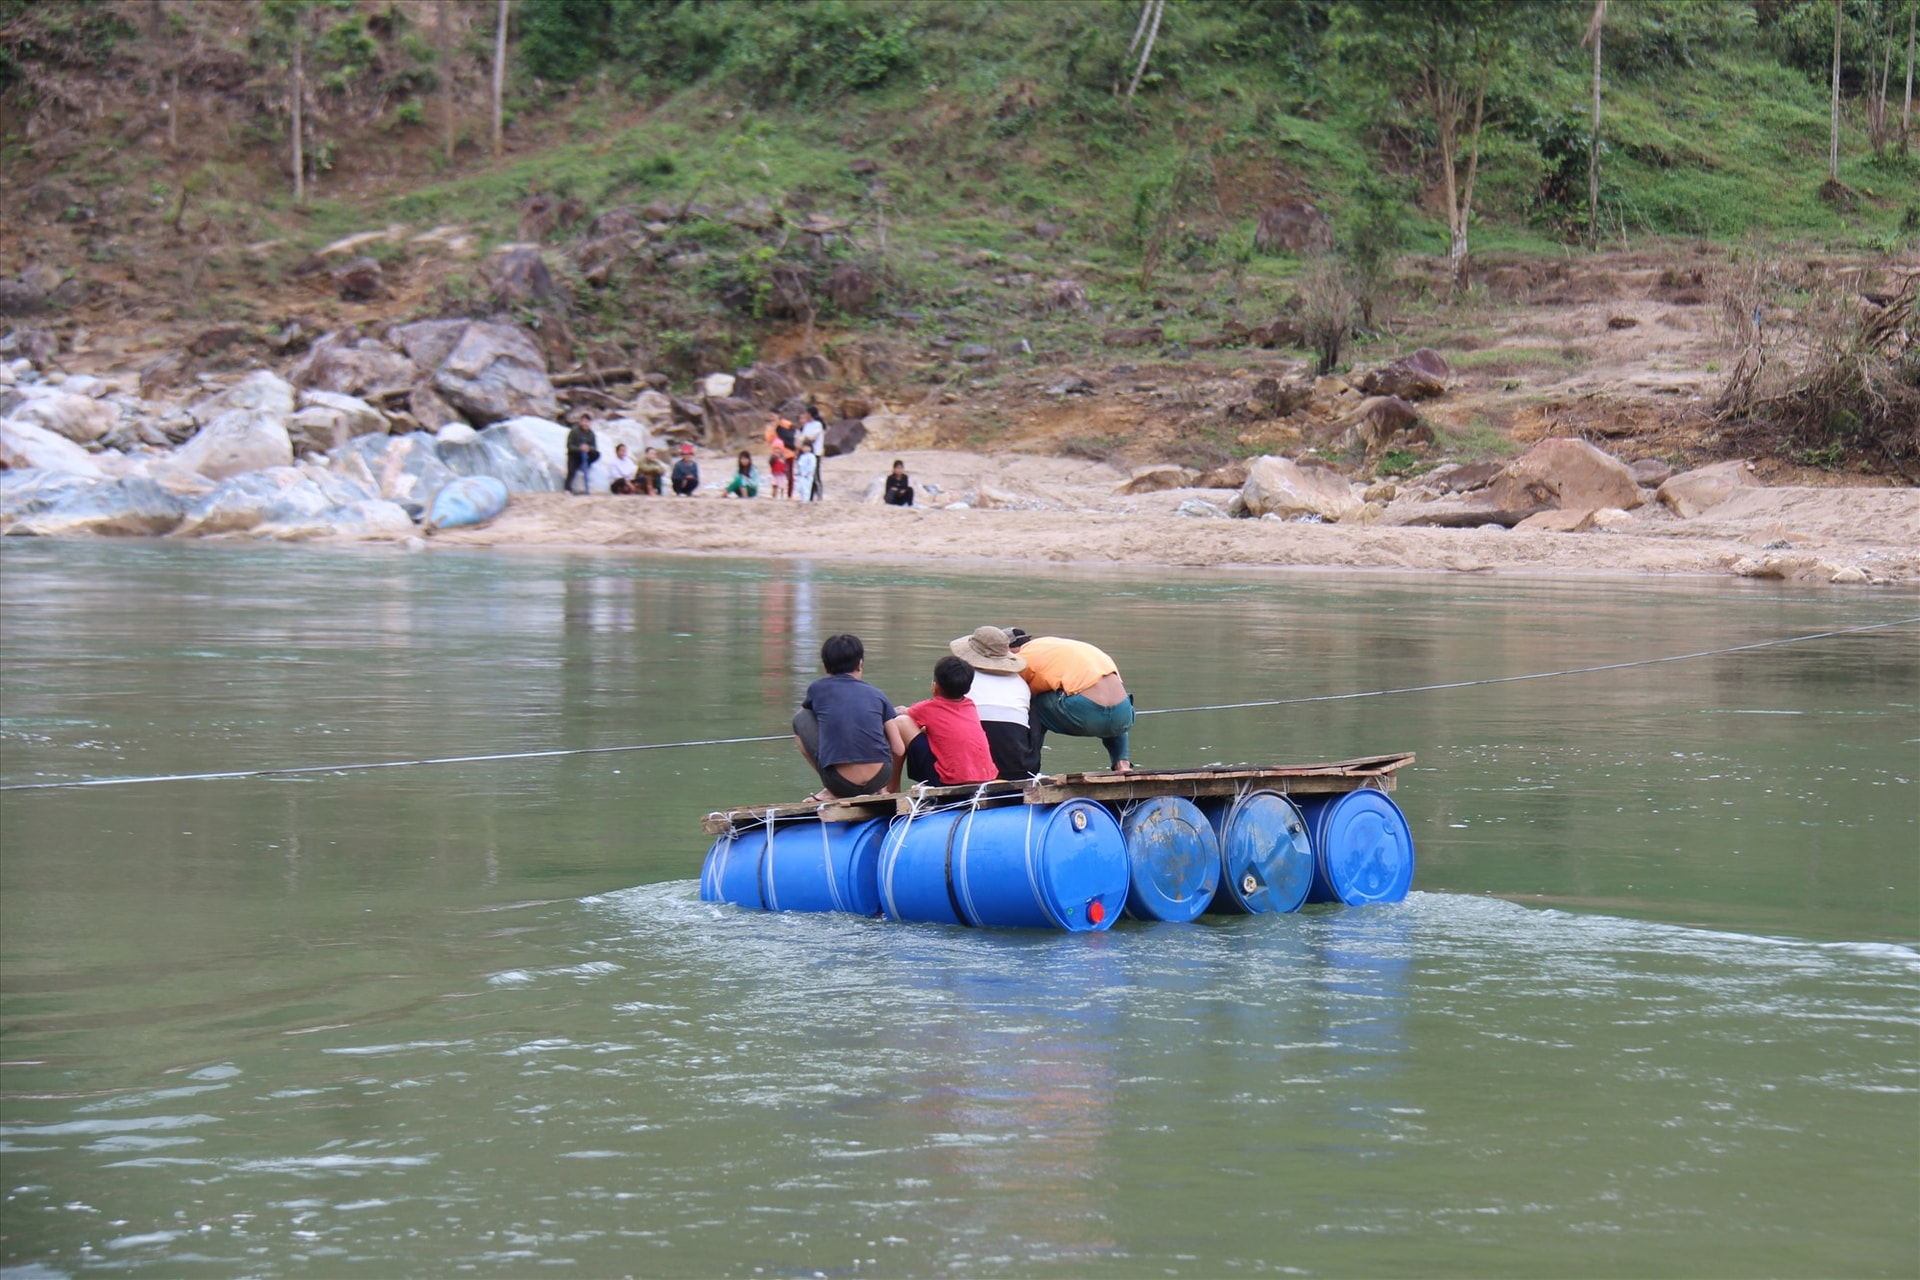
<point x="560" y="753"/>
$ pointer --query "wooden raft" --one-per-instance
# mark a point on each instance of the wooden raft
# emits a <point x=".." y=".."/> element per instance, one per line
<point x="1140" y="784"/>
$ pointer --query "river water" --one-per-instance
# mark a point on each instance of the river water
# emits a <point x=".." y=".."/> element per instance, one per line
<point x="1653" y="1007"/>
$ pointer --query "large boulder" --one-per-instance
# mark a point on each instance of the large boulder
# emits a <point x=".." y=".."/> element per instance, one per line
<point x="765" y="386"/>
<point x="729" y="417"/>
<point x="1158" y="479"/>
<point x="1380" y="418"/>
<point x="353" y="366"/>
<point x="843" y="437"/>
<point x="1692" y="492"/>
<point x="79" y="418"/>
<point x="28" y="445"/>
<point x="1284" y="488"/>
<point x="238" y="441"/>
<point x="293" y="503"/>
<point x="1296" y="227"/>
<point x="1565" y="475"/>
<point x="521" y="453"/>
<point x="326" y="420"/>
<point x="406" y="469"/>
<point x="26" y="491"/>
<point x="519" y="277"/>
<point x="260" y="391"/>
<point x="493" y="373"/>
<point x="428" y="342"/>
<point x="1419" y="376"/>
<point x="134" y="506"/>
<point x="654" y="409"/>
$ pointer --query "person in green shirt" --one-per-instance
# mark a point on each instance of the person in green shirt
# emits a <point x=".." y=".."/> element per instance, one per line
<point x="746" y="481"/>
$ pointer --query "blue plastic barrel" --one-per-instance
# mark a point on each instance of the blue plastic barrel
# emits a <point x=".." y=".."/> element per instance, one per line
<point x="1024" y="866"/>
<point x="1266" y="861"/>
<point x="1363" y="850"/>
<point x="1173" y="858"/>
<point x="798" y="866"/>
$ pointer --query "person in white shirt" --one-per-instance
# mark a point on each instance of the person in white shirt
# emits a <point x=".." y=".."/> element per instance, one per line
<point x="1004" y="701"/>
<point x="806" y="474"/>
<point x="813" y="432"/>
<point x="620" y="472"/>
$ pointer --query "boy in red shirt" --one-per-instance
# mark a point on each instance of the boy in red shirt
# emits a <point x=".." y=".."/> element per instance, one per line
<point x="945" y="744"/>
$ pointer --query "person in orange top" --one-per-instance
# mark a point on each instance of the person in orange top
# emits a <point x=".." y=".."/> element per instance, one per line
<point x="1077" y="690"/>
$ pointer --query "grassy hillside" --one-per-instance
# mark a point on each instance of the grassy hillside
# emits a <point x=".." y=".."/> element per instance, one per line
<point x="967" y="155"/>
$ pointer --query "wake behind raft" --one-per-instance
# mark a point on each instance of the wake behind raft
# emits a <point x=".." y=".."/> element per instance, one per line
<point x="1077" y="851"/>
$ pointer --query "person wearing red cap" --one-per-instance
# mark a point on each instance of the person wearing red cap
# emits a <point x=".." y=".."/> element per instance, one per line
<point x="686" y="473"/>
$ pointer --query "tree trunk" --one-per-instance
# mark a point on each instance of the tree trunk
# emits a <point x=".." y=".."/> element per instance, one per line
<point x="299" y="92"/>
<point x="499" y="77"/>
<point x="1906" y="112"/>
<point x="1153" y="33"/>
<point x="1593" y="144"/>
<point x="173" y="111"/>
<point x="1140" y="28"/>
<point x="446" y="75"/>
<point x="1833" y="141"/>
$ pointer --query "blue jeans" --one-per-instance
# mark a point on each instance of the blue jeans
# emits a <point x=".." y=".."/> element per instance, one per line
<point x="1080" y="717"/>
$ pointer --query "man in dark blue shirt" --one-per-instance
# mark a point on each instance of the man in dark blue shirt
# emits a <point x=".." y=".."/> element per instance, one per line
<point x="845" y="726"/>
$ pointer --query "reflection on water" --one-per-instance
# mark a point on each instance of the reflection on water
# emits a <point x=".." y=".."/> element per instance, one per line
<point x="420" y="1020"/>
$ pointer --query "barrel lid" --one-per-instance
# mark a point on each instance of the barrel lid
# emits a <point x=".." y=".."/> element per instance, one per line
<point x="1266" y="861"/>
<point x="1173" y="857"/>
<point x="1365" y="850"/>
<point x="1078" y="865"/>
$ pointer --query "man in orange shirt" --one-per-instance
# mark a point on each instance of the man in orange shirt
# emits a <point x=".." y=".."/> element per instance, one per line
<point x="1076" y="690"/>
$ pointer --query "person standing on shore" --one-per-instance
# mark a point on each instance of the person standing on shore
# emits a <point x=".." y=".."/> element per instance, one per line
<point x="806" y="474"/>
<point x="583" y="450"/>
<point x="813" y="434"/>
<point x="1077" y="691"/>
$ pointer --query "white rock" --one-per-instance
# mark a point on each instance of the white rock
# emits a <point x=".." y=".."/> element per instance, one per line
<point x="259" y="390"/>
<point x="1849" y="574"/>
<point x="654" y="408"/>
<point x="238" y="441"/>
<point x="81" y="419"/>
<point x="25" y="445"/>
<point x="717" y="386"/>
<point x="456" y="433"/>
<point x="539" y="439"/>
<point x="81" y="384"/>
<point x="362" y="418"/>
<point x="1279" y="486"/>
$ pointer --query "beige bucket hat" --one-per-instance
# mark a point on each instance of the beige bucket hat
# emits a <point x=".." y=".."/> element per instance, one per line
<point x="986" y="650"/>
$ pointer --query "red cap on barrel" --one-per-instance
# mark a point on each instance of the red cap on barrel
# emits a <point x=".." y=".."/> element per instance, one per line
<point x="1096" y="911"/>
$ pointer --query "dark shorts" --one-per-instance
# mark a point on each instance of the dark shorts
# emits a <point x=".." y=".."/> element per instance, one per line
<point x="806" y="727"/>
<point x="921" y="765"/>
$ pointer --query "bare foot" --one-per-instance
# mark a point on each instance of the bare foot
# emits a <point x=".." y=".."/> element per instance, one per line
<point x="819" y="797"/>
<point x="1125" y="766"/>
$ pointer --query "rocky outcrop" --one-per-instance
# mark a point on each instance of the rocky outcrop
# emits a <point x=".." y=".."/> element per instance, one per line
<point x="1158" y="480"/>
<point x="494" y="372"/>
<point x="1283" y="488"/>
<point x="30" y="446"/>
<point x="236" y="442"/>
<point x="79" y="418"/>
<point x="1692" y="492"/>
<point x="1419" y="376"/>
<point x="1565" y="475"/>
<point x="729" y="417"/>
<point x="1296" y="227"/>
<point x="293" y="503"/>
<point x="844" y="437"/>
<point x="326" y="420"/>
<point x="133" y="506"/>
<point x="353" y="366"/>
<point x="1554" y="476"/>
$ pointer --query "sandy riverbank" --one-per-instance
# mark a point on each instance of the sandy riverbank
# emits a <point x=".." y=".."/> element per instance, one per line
<point x="1060" y="510"/>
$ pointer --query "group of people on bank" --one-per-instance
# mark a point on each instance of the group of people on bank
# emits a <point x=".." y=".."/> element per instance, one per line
<point x="793" y="461"/>
<point x="993" y="699"/>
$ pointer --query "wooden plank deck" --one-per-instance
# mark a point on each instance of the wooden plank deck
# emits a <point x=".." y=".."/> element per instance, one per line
<point x="1139" y="784"/>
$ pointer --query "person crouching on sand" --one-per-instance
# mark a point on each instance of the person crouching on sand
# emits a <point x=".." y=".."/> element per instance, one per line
<point x="846" y="728"/>
<point x="746" y="481"/>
